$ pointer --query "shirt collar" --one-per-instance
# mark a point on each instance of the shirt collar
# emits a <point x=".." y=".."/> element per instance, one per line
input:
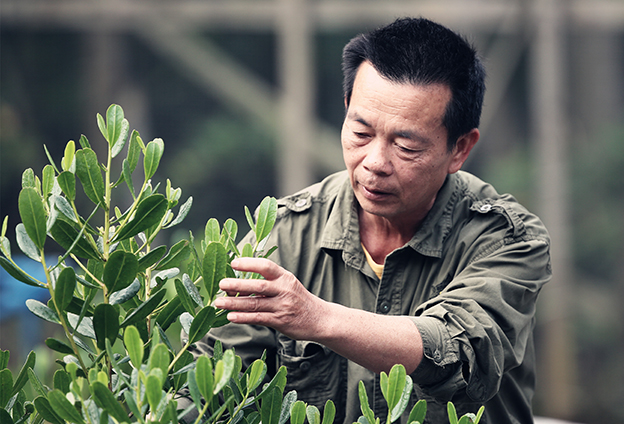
<point x="342" y="229"/>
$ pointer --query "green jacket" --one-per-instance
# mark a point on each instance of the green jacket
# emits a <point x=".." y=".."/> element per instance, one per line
<point x="469" y="280"/>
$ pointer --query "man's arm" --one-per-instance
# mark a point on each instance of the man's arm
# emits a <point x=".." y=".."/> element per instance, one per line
<point x="280" y="301"/>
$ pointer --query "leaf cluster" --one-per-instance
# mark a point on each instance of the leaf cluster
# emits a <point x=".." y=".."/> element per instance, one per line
<point x="109" y="293"/>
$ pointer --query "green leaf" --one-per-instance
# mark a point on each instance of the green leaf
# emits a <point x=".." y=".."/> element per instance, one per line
<point x="313" y="414"/>
<point x="105" y="324"/>
<point x="6" y="386"/>
<point x="123" y="295"/>
<point x="279" y="381"/>
<point x="367" y="412"/>
<point x="212" y="231"/>
<point x="329" y="412"/>
<point x="144" y="309"/>
<point x="256" y="375"/>
<point x="89" y="174"/>
<point x="271" y="407"/>
<point x="67" y="181"/>
<point x="170" y="313"/>
<point x="28" y="179"/>
<point x="61" y="380"/>
<point x="182" y="213"/>
<point x="267" y="214"/>
<point x="17" y="273"/>
<point x="191" y="289"/>
<point x="202" y="323"/>
<point x="452" y="413"/>
<point x="404" y="399"/>
<point x="33" y="215"/>
<point x="134" y="150"/>
<point x="68" y="157"/>
<point x="4" y="359"/>
<point x="152" y="257"/>
<point x="479" y="414"/>
<point x="178" y="253"/>
<point x="25" y="243"/>
<point x="287" y="404"/>
<point x="63" y="407"/>
<point x="153" y="152"/>
<point x="47" y="183"/>
<point x="204" y="377"/>
<point x="149" y="213"/>
<point x="36" y="383"/>
<point x="188" y="303"/>
<point x="214" y="268"/>
<point x="102" y="126"/>
<point x="134" y="345"/>
<point x="392" y="385"/>
<point x="114" y="124"/>
<point x="64" y="207"/>
<point x="120" y="270"/>
<point x="418" y="412"/>
<point x="298" y="412"/>
<point x="160" y="358"/>
<point x="65" y="235"/>
<point x="126" y="173"/>
<point x="117" y="127"/>
<point x="85" y="327"/>
<point x="59" y="346"/>
<point x="64" y="289"/>
<point x="250" y="220"/>
<point x="42" y="311"/>
<point x="153" y="390"/>
<point x="108" y="402"/>
<point x="42" y="405"/>
<point x="84" y="143"/>
<point x="194" y="390"/>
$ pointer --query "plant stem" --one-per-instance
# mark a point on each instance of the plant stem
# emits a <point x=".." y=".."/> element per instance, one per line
<point x="60" y="314"/>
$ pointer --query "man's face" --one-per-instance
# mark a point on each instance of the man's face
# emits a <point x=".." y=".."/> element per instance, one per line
<point x="395" y="146"/>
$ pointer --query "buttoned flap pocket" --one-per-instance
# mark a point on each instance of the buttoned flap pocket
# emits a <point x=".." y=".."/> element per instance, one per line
<point x="503" y="208"/>
<point x="314" y="371"/>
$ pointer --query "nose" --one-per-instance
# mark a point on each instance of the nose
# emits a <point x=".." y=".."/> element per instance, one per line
<point x="377" y="158"/>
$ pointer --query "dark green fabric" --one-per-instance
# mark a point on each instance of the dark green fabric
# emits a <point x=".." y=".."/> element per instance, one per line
<point x="469" y="280"/>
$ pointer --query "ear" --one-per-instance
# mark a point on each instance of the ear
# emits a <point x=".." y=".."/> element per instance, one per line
<point x="462" y="149"/>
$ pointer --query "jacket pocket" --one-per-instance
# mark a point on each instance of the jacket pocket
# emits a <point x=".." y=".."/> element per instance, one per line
<point x="315" y="372"/>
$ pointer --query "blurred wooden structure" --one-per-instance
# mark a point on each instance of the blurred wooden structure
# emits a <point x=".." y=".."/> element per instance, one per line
<point x="541" y="27"/>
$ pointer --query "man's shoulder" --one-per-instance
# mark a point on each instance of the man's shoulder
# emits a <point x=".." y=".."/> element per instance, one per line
<point x="482" y="199"/>
<point x="320" y="194"/>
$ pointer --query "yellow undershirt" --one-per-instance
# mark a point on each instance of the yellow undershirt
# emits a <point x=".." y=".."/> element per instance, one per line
<point x="377" y="268"/>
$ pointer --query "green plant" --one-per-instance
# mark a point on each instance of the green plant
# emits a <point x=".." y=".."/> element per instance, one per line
<point x="108" y="292"/>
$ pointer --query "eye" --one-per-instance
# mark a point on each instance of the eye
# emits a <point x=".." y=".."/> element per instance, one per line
<point x="405" y="149"/>
<point x="361" y="134"/>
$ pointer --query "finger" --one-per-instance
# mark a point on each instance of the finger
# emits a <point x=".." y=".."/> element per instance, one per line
<point x="245" y="304"/>
<point x="243" y="287"/>
<point x="265" y="267"/>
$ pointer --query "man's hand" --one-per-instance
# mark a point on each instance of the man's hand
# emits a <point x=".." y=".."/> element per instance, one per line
<point x="279" y="301"/>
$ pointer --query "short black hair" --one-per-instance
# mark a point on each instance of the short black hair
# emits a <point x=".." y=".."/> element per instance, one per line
<point x="419" y="51"/>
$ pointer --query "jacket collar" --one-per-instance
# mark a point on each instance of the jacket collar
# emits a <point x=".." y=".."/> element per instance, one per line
<point x="342" y="229"/>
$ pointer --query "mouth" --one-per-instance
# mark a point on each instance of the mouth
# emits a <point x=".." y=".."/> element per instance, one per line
<point x="374" y="193"/>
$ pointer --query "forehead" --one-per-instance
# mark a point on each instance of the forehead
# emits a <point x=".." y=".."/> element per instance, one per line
<point x="405" y="101"/>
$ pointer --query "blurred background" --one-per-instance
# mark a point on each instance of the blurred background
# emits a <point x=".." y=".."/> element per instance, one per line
<point x="246" y="95"/>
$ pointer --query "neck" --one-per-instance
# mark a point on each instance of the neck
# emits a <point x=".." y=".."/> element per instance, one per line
<point x="380" y="236"/>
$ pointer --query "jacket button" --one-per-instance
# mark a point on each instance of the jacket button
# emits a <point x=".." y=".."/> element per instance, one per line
<point x="304" y="366"/>
<point x="384" y="307"/>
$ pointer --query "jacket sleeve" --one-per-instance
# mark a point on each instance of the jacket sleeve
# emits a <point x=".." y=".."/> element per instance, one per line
<point x="478" y="327"/>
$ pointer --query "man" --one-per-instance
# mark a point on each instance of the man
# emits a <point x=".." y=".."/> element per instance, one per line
<point x="402" y="258"/>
